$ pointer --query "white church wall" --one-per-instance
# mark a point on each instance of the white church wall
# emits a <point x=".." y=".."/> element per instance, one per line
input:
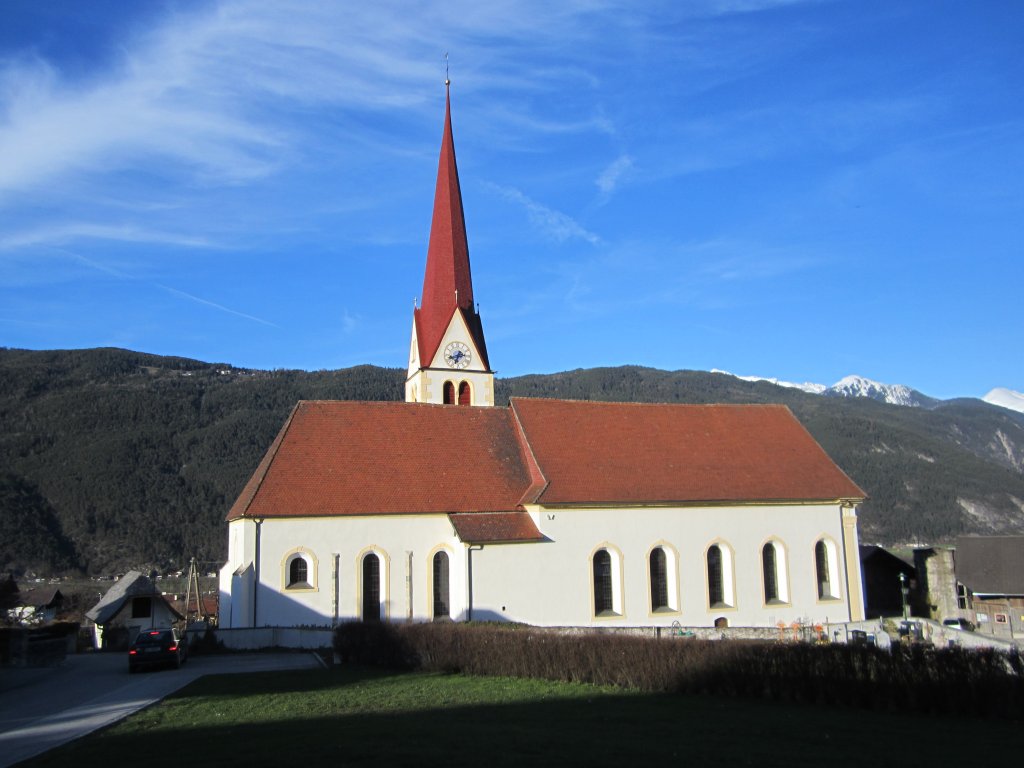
<point x="551" y="584"/>
<point x="334" y="548"/>
<point x="427" y="386"/>
<point x="547" y="583"/>
<point x="236" y="576"/>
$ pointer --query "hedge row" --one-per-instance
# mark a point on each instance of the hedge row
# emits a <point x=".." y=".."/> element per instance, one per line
<point x="947" y="680"/>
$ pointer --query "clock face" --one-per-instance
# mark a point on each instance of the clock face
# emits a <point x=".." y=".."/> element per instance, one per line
<point x="457" y="355"/>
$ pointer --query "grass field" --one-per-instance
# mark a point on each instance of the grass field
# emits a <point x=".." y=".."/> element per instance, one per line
<point x="354" y="716"/>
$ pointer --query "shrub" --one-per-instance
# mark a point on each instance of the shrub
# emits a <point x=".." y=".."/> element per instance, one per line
<point x="378" y="644"/>
<point x="949" y="680"/>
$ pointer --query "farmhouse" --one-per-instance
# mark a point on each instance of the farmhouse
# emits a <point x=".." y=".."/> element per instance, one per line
<point x="549" y="512"/>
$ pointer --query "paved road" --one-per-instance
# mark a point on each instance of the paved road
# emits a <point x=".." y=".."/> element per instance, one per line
<point x="44" y="708"/>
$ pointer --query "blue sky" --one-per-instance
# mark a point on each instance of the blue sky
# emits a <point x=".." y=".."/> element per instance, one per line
<point x="802" y="190"/>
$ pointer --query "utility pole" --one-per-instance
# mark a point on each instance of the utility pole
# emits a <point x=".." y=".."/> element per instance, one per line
<point x="193" y="583"/>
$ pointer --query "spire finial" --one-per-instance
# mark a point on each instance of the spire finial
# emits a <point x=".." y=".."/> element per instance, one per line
<point x="446" y="80"/>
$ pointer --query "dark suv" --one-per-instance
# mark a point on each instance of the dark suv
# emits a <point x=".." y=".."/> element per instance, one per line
<point x="157" y="648"/>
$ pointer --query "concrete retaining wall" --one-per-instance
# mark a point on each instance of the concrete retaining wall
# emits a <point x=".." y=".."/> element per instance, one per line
<point x="267" y="637"/>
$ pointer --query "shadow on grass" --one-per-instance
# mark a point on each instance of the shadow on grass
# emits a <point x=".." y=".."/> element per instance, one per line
<point x="356" y="716"/>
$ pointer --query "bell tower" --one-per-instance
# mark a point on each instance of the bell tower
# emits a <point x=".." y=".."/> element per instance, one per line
<point x="448" y="357"/>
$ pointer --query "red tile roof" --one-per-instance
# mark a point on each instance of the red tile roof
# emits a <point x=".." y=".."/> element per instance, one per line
<point x="356" y="458"/>
<point x="636" y="453"/>
<point x="353" y="458"/>
<point x="447" y="282"/>
<point x="494" y="527"/>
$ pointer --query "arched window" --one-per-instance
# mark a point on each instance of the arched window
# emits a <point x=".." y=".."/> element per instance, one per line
<point x="298" y="572"/>
<point x="607" y="590"/>
<point x="602" y="582"/>
<point x="371" y="587"/>
<point x="720" y="576"/>
<point x="716" y="582"/>
<point x="449" y="393"/>
<point x="465" y="395"/>
<point x="825" y="569"/>
<point x="659" y="580"/>
<point x="442" y="608"/>
<point x="770" y="571"/>
<point x="773" y="573"/>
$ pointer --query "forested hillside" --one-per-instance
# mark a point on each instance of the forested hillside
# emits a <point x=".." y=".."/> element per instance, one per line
<point x="112" y="459"/>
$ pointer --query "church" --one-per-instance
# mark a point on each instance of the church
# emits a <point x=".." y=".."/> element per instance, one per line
<point x="547" y="512"/>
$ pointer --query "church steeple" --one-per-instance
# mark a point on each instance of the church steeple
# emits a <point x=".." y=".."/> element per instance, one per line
<point x="447" y="282"/>
<point x="448" y="336"/>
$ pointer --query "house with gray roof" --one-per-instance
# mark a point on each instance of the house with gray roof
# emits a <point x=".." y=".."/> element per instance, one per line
<point x="990" y="571"/>
<point x="132" y="604"/>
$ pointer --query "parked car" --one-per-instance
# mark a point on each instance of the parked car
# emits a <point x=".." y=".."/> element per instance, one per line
<point x="963" y="624"/>
<point x="157" y="648"/>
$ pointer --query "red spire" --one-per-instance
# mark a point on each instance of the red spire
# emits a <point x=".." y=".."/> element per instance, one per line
<point x="447" y="283"/>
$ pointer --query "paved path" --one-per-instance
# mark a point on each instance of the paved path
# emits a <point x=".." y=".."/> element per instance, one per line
<point x="44" y="708"/>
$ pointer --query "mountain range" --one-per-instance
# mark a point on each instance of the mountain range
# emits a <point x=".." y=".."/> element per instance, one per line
<point x="112" y="459"/>
<point x="1006" y="398"/>
<point x="894" y="394"/>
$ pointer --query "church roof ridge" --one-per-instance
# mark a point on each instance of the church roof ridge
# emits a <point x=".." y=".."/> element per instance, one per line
<point x="650" y="404"/>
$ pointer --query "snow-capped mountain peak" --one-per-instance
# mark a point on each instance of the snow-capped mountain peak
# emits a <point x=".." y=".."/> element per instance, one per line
<point x="807" y="386"/>
<point x="852" y="386"/>
<point x="1005" y="398"/>
<point x="858" y="386"/>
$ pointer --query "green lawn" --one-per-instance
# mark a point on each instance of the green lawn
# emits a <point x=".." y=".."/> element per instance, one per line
<point x="351" y="716"/>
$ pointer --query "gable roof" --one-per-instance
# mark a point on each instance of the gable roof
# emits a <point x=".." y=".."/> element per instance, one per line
<point x="337" y="458"/>
<point x="991" y="565"/>
<point x="352" y="458"/>
<point x="132" y="584"/>
<point x="638" y="453"/>
<point x="42" y="597"/>
<point x="447" y="281"/>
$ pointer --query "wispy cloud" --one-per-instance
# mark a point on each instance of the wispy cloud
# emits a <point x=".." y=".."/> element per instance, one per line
<point x="610" y="177"/>
<point x="123" y="275"/>
<point x="197" y="91"/>
<point x="126" y="233"/>
<point x="553" y="224"/>
<point x="215" y="305"/>
<point x="349" y="323"/>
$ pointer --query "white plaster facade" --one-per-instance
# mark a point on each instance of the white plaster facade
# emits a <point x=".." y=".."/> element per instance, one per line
<point x="549" y="583"/>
